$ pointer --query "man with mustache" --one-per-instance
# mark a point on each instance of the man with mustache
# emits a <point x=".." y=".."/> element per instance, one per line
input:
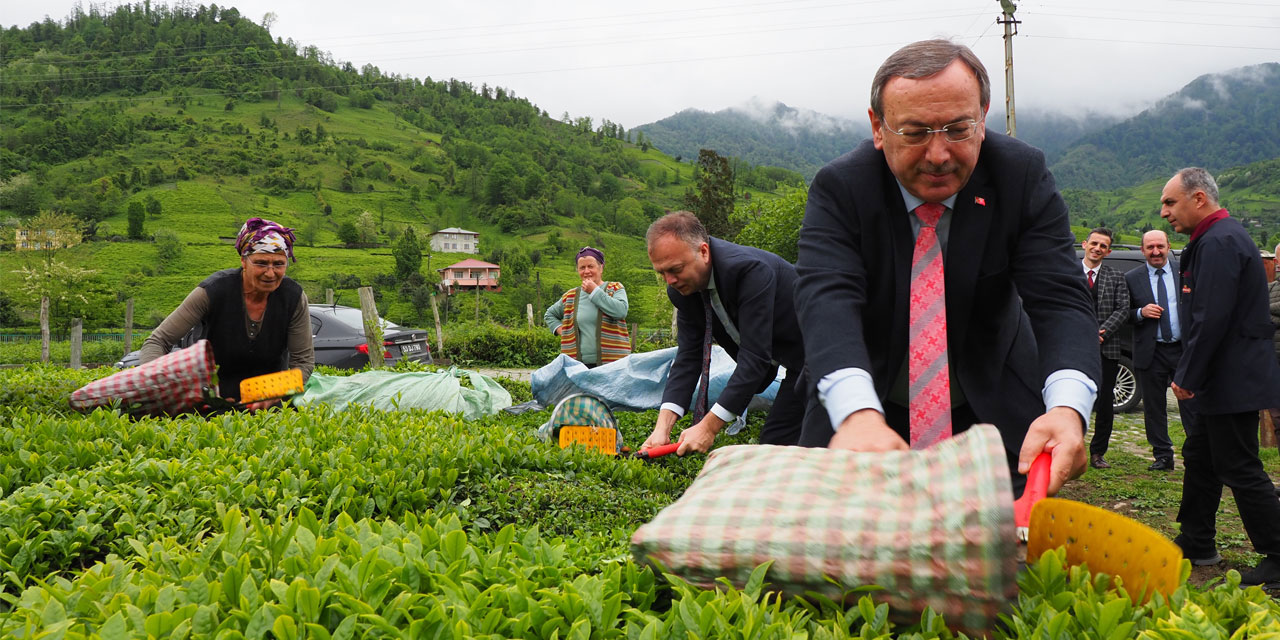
<point x="937" y="279"/>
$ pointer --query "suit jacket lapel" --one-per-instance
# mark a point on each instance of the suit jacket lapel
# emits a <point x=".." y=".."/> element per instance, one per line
<point x="966" y="242"/>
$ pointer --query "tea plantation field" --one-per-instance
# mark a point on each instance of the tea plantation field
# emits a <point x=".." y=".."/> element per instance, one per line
<point x="365" y="524"/>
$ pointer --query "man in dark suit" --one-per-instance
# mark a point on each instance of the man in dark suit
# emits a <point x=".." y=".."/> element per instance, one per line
<point x="1157" y="339"/>
<point x="746" y="295"/>
<point x="1006" y="331"/>
<point x="1111" y="306"/>
<point x="1227" y="373"/>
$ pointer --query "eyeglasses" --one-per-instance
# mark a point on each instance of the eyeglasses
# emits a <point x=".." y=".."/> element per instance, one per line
<point x="263" y="264"/>
<point x="954" y="132"/>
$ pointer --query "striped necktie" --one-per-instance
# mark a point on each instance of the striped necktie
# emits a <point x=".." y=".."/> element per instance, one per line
<point x="704" y="382"/>
<point x="929" y="401"/>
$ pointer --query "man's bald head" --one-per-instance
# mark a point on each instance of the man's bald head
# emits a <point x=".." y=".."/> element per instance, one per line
<point x="1155" y="248"/>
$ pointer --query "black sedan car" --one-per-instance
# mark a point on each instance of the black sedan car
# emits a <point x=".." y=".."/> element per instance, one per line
<point x="338" y="338"/>
<point x="337" y="335"/>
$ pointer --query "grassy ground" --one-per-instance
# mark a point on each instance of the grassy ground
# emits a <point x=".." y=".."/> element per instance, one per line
<point x="1152" y="497"/>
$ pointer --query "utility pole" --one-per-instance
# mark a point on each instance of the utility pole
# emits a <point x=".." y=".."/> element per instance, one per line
<point x="1010" y="30"/>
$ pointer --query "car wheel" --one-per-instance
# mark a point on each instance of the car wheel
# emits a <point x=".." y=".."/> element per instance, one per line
<point x="1127" y="395"/>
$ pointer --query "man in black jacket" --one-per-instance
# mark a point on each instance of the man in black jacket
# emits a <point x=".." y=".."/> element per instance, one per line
<point x="1227" y="373"/>
<point x="742" y="298"/>
<point x="1016" y="324"/>
<point x="1157" y="339"/>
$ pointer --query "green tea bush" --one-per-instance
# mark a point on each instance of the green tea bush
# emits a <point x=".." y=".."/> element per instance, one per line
<point x="91" y="352"/>
<point x="314" y="524"/>
<point x="499" y="346"/>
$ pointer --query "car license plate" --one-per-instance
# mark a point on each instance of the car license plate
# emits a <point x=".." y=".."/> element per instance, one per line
<point x="412" y="347"/>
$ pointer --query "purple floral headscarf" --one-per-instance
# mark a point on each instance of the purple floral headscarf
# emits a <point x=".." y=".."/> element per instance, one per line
<point x="265" y="236"/>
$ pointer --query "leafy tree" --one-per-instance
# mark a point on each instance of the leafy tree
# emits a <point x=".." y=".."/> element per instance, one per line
<point x="136" y="217"/>
<point x="22" y="195"/>
<point x="168" y="249"/>
<point x="366" y="227"/>
<point x="8" y="311"/>
<point x="348" y="233"/>
<point x="73" y="292"/>
<point x="408" y="255"/>
<point x="712" y="202"/>
<point x="153" y="206"/>
<point x="773" y="224"/>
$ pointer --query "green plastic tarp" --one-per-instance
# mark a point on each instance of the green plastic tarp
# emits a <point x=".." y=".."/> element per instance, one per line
<point x="392" y="391"/>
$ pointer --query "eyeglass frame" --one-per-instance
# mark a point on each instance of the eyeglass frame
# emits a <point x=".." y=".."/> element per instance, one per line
<point x="928" y="132"/>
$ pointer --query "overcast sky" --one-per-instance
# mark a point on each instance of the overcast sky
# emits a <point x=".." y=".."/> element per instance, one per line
<point x="636" y="62"/>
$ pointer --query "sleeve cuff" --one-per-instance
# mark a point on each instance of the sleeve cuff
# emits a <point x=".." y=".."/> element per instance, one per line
<point x="723" y="413"/>
<point x="1072" y="389"/>
<point x="673" y="408"/>
<point x="845" y="391"/>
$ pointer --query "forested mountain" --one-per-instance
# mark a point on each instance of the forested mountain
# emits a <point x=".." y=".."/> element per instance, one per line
<point x="776" y="135"/>
<point x="155" y="127"/>
<point x="803" y="140"/>
<point x="1217" y="121"/>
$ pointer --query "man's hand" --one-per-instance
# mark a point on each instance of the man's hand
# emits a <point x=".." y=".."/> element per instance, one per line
<point x="1152" y="311"/>
<point x="588" y="286"/>
<point x="661" y="430"/>
<point x="1059" y="431"/>
<point x="700" y="436"/>
<point x="866" y="430"/>
<point x="1180" y="393"/>
<point x="1102" y="335"/>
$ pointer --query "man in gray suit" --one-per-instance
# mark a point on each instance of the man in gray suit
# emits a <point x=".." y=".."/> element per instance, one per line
<point x="1157" y="339"/>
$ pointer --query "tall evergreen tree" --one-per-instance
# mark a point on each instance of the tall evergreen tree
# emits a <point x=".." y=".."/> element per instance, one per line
<point x="712" y="201"/>
<point x="408" y="255"/>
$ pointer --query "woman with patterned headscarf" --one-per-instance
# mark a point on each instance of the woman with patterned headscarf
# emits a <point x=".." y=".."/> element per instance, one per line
<point x="254" y="317"/>
<point x="591" y="319"/>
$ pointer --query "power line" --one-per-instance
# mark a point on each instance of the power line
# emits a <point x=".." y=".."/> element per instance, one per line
<point x="126" y="74"/>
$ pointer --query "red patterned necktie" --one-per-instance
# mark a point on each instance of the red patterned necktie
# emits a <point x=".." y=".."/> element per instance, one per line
<point x="927" y="370"/>
<point x="1091" y="278"/>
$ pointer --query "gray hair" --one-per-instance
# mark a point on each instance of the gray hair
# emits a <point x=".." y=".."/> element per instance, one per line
<point x="923" y="59"/>
<point x="1195" y="179"/>
<point x="681" y="224"/>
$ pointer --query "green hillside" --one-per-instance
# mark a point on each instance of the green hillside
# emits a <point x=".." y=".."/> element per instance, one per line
<point x="1217" y="121"/>
<point x="198" y="113"/>
<point x="1251" y="192"/>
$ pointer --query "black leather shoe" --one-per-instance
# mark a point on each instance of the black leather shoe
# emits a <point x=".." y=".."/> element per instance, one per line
<point x="1161" y="464"/>
<point x="1267" y="573"/>
<point x="1098" y="463"/>
<point x="1198" y="557"/>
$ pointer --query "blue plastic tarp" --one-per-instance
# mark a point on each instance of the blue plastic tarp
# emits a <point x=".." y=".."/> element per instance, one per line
<point x="634" y="383"/>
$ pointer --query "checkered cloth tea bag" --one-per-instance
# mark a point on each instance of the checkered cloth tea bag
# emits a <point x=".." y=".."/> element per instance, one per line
<point x="581" y="409"/>
<point x="934" y="527"/>
<point x="172" y="383"/>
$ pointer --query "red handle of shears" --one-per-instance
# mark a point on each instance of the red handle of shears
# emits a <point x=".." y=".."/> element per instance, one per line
<point x="658" y="452"/>
<point x="1037" y="488"/>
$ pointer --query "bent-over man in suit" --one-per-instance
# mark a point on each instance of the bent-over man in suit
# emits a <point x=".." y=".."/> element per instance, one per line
<point x="1226" y="374"/>
<point x="937" y="279"/>
<point x="1111" y="305"/>
<point x="1157" y="339"/>
<point x="741" y="297"/>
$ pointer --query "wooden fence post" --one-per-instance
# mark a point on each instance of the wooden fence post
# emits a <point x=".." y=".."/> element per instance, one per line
<point x="675" y="313"/>
<point x="328" y="297"/>
<point x="128" y="326"/>
<point x="435" y="311"/>
<point x="477" y="299"/>
<point x="528" y="310"/>
<point x="77" y="342"/>
<point x="372" y="327"/>
<point x="1266" y="429"/>
<point x="44" y="329"/>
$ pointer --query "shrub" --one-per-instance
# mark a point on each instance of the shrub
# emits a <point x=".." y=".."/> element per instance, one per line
<point x="499" y="346"/>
